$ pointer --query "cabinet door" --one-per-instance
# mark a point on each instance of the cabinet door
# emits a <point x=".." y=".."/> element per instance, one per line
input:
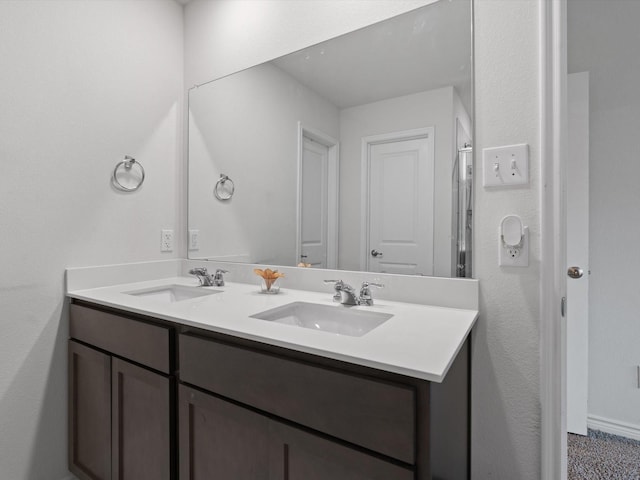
<point x="219" y="440"/>
<point x="89" y="413"/>
<point x="141" y="433"/>
<point x="298" y="455"/>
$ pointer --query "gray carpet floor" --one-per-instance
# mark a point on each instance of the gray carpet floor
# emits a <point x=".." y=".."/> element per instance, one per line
<point x="600" y="456"/>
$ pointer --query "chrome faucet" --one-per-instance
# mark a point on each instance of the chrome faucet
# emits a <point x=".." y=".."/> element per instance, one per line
<point x="208" y="280"/>
<point x="346" y="294"/>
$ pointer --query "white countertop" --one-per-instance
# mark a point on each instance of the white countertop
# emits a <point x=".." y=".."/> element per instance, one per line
<point x="418" y="341"/>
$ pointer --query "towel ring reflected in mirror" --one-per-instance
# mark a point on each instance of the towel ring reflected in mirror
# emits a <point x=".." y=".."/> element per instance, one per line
<point x="220" y="191"/>
<point x="126" y="166"/>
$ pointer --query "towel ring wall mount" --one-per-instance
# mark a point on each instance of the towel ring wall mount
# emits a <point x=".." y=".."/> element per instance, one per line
<point x="219" y="189"/>
<point x="126" y="165"/>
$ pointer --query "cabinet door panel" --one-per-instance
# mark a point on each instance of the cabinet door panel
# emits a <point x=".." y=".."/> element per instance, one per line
<point x="89" y="413"/>
<point x="140" y="423"/>
<point x="219" y="440"/>
<point x="298" y="455"/>
<point x="377" y="415"/>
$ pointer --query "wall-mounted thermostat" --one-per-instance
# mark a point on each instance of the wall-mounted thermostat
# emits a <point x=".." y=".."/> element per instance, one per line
<point x="503" y="166"/>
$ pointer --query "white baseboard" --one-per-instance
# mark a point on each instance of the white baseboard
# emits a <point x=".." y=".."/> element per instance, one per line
<point x="614" y="427"/>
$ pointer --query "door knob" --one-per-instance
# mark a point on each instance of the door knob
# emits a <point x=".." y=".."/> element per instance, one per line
<point x="575" y="272"/>
<point x="376" y="253"/>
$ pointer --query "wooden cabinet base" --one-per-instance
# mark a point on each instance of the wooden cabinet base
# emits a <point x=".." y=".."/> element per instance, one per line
<point x="249" y="411"/>
<point x="219" y="440"/>
<point x="140" y="431"/>
<point x="298" y="455"/>
<point x="89" y="413"/>
<point x="223" y="441"/>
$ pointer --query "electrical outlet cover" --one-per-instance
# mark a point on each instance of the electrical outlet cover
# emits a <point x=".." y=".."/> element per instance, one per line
<point x="509" y="256"/>
<point x="166" y="241"/>
<point x="194" y="239"/>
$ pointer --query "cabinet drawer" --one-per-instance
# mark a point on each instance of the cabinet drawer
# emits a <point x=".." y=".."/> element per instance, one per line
<point x="298" y="455"/>
<point x="373" y="414"/>
<point x="138" y="341"/>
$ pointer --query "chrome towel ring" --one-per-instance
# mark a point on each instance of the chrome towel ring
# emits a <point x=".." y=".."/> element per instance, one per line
<point x="220" y="191"/>
<point x="127" y="163"/>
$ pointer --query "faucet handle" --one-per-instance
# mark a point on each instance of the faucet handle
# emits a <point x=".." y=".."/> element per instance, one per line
<point x="199" y="271"/>
<point x="338" y="285"/>
<point x="365" y="292"/>
<point x="218" y="278"/>
<point x="202" y="274"/>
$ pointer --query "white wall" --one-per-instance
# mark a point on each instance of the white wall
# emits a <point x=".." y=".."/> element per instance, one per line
<point x="225" y="36"/>
<point x="506" y="383"/>
<point x="246" y="126"/>
<point x="433" y="108"/>
<point x="603" y="39"/>
<point x="82" y="84"/>
<point x="506" y="342"/>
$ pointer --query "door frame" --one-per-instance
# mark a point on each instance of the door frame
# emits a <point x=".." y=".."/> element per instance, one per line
<point x="333" y="182"/>
<point x="553" y="150"/>
<point x="365" y="167"/>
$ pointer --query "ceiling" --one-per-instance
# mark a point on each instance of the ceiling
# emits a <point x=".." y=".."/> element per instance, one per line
<point x="421" y="50"/>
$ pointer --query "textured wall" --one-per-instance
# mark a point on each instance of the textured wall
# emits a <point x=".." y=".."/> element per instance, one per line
<point x="603" y="41"/>
<point x="82" y="84"/>
<point x="505" y="349"/>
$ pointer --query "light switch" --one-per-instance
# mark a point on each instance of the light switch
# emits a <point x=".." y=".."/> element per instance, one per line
<point x="503" y="166"/>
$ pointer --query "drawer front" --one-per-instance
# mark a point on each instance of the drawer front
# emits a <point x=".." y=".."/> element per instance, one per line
<point x="376" y="415"/>
<point x="137" y="341"/>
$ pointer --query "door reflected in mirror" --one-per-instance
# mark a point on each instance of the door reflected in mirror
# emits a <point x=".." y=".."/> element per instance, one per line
<point x="348" y="154"/>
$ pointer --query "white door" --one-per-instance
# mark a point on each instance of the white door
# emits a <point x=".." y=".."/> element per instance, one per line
<point x="314" y="178"/>
<point x="578" y="252"/>
<point x="400" y="210"/>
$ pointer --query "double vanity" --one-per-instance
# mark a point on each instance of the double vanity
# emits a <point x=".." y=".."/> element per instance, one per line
<point x="172" y="380"/>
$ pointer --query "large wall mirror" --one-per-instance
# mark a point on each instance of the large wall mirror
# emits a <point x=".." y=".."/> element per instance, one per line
<point x="352" y="154"/>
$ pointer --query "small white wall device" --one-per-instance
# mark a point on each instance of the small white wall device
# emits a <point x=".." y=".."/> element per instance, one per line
<point x="513" y="242"/>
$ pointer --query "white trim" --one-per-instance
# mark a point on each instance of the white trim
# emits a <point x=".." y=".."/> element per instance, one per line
<point x="367" y="142"/>
<point x="614" y="427"/>
<point x="553" y="68"/>
<point x="333" y="182"/>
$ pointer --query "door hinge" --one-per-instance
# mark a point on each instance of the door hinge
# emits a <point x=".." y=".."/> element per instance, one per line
<point x="563" y="306"/>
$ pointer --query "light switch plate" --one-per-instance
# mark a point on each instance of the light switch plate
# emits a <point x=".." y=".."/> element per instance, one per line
<point x="505" y="166"/>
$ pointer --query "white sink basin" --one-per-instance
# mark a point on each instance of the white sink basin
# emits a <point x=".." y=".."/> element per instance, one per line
<point x="336" y="319"/>
<point x="173" y="293"/>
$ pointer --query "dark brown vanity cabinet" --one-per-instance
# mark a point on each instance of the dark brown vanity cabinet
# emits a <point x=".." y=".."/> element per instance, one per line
<point x="120" y="390"/>
<point x="225" y="441"/>
<point x="154" y="400"/>
<point x="89" y="413"/>
<point x="299" y="455"/>
<point x="289" y="420"/>
<point x="220" y="440"/>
